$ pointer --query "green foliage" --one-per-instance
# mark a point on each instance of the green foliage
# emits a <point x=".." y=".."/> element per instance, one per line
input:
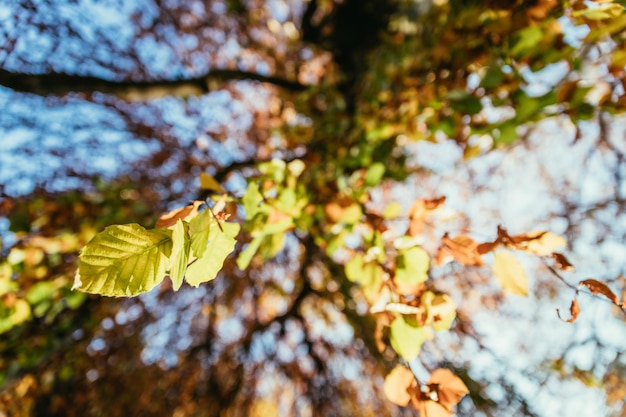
<point x="128" y="260"/>
<point x="221" y="242"/>
<point x="123" y="260"/>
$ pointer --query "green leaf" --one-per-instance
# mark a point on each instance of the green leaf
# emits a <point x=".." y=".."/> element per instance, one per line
<point x="221" y="244"/>
<point x="493" y="77"/>
<point x="251" y="200"/>
<point x="278" y="227"/>
<point x="123" y="261"/>
<point x="40" y="291"/>
<point x="406" y="338"/>
<point x="245" y="257"/>
<point x="11" y="317"/>
<point x="527" y="107"/>
<point x="507" y="133"/>
<point x="510" y="273"/>
<point x="463" y="102"/>
<point x="393" y="210"/>
<point x="526" y="41"/>
<point x="411" y="267"/>
<point x="374" y="174"/>
<point x="199" y="229"/>
<point x="354" y="268"/>
<point x="181" y="245"/>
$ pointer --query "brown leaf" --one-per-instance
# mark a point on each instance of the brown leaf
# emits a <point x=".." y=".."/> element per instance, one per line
<point x="562" y="262"/>
<point x="187" y="212"/>
<point x="450" y="388"/>
<point x="566" y="91"/>
<point x="574" y="310"/>
<point x="486" y="247"/>
<point x="434" y="203"/>
<point x="503" y="236"/>
<point x="464" y="249"/>
<point x="425" y="406"/>
<point x="397" y="383"/>
<point x="419" y="211"/>
<point x="597" y="287"/>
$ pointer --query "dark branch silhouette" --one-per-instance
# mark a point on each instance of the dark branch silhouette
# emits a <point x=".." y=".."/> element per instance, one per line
<point x="58" y="84"/>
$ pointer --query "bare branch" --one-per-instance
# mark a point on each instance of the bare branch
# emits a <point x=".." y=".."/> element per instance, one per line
<point x="59" y="84"/>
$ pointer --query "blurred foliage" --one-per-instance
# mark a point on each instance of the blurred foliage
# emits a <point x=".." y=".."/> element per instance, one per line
<point x="327" y="291"/>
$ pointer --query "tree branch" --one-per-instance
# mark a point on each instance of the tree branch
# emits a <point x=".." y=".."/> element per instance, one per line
<point x="59" y="84"/>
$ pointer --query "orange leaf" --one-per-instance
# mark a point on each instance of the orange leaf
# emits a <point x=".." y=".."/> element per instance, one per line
<point x="450" y="388"/>
<point x="427" y="407"/>
<point x="185" y="213"/>
<point x="418" y="212"/>
<point x="597" y="287"/>
<point x="276" y="216"/>
<point x="562" y="262"/>
<point x="464" y="249"/>
<point x="397" y="382"/>
<point x="417" y="217"/>
<point x="434" y="203"/>
<point x="574" y="310"/>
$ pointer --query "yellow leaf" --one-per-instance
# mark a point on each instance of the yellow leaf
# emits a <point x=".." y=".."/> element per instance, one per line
<point x="207" y="182"/>
<point x="546" y="244"/>
<point x="510" y="273"/>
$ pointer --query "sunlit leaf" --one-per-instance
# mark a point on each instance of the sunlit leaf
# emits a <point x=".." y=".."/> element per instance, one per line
<point x="406" y="338"/>
<point x="179" y="258"/>
<point x="396" y="384"/>
<point x="123" y="260"/>
<point x="510" y="273"/>
<point x="221" y="243"/>
<point x="199" y="230"/>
